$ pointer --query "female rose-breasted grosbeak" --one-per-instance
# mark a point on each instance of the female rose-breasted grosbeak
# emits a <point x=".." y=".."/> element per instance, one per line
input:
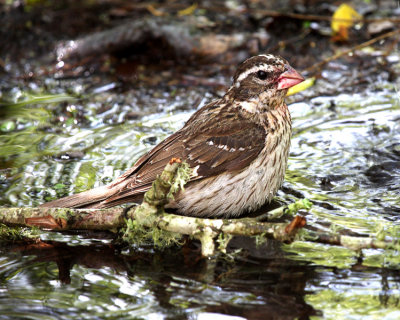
<point x="237" y="145"/>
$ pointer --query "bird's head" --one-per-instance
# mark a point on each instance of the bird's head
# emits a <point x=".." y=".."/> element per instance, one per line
<point x="265" y="79"/>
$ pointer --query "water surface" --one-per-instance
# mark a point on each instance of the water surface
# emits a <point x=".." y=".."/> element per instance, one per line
<point x="345" y="157"/>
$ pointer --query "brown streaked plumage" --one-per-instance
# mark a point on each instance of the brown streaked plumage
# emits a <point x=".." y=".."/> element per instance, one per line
<point x="238" y="145"/>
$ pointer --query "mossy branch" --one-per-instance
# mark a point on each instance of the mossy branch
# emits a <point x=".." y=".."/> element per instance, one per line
<point x="150" y="215"/>
<point x="64" y="218"/>
<point x="150" y="222"/>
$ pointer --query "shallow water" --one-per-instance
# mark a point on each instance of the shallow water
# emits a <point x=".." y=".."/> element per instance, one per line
<point x="345" y="157"/>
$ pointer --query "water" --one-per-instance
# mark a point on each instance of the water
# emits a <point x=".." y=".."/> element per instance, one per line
<point x="345" y="157"/>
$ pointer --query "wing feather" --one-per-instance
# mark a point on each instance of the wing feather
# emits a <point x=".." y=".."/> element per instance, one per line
<point x="214" y="141"/>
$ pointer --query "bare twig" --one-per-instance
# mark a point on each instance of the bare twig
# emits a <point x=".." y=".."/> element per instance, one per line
<point x="351" y="242"/>
<point x="318" y="65"/>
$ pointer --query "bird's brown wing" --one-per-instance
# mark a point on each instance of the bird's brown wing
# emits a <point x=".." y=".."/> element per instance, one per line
<point x="229" y="144"/>
<point x="129" y="187"/>
<point x="214" y="140"/>
<point x="223" y="142"/>
<point x="139" y="178"/>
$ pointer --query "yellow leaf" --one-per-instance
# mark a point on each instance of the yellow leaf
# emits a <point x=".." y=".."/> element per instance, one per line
<point x="187" y="11"/>
<point x="301" y="86"/>
<point x="344" y="17"/>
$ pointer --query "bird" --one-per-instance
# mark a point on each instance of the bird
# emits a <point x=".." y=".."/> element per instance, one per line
<point x="237" y="147"/>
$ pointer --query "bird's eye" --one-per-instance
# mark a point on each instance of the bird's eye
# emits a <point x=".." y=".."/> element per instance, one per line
<point x="262" y="75"/>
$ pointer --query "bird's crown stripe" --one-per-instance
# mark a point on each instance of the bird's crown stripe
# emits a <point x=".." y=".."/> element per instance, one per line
<point x="268" y="56"/>
<point x="264" y="67"/>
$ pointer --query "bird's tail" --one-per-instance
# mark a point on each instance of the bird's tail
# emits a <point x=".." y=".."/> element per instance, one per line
<point x="88" y="199"/>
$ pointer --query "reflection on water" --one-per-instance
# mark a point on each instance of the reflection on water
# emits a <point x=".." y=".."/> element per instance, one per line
<point x="94" y="281"/>
<point x="98" y="281"/>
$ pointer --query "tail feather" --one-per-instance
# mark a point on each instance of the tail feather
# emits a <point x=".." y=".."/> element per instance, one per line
<point x="87" y="199"/>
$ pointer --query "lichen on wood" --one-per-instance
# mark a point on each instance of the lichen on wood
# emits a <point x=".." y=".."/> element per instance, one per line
<point x="149" y="221"/>
<point x="10" y="233"/>
<point x="142" y="223"/>
<point x="150" y="216"/>
<point x="64" y="218"/>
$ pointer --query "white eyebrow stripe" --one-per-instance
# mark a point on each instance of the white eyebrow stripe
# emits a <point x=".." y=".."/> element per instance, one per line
<point x="268" y="56"/>
<point x="264" y="67"/>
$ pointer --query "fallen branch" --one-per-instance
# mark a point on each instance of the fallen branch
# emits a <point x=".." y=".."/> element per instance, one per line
<point x="64" y="218"/>
<point x="182" y="36"/>
<point x="149" y="218"/>
<point x="206" y="230"/>
<point x="149" y="221"/>
<point x="351" y="242"/>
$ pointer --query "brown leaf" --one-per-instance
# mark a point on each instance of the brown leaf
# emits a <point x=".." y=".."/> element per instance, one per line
<point x="297" y="223"/>
<point x="175" y="160"/>
<point x="342" y="35"/>
<point x="47" y="222"/>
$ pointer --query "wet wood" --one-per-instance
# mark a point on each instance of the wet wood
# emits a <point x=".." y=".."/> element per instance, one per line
<point x="182" y="36"/>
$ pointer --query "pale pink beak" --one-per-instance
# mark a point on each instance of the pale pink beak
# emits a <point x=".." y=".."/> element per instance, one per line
<point x="289" y="78"/>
